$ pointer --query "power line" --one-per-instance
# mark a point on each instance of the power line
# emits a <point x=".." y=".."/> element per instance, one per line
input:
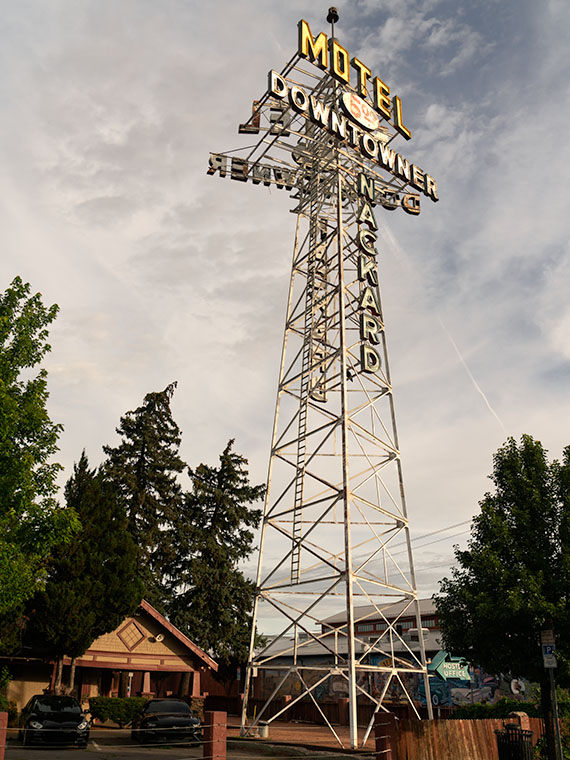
<point x="429" y="543"/>
<point x="426" y="535"/>
<point x="441" y="530"/>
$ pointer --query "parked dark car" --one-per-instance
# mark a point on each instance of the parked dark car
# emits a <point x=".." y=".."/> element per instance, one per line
<point x="49" y="719"/>
<point x="169" y="720"/>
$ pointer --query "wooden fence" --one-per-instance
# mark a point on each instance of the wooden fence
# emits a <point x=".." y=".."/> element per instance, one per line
<point x="440" y="739"/>
<point x="453" y="739"/>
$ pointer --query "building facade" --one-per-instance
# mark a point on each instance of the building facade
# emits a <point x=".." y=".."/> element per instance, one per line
<point x="144" y="655"/>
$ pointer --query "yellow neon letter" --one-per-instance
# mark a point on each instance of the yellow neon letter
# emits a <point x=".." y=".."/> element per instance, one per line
<point x="381" y="99"/>
<point x="315" y="50"/>
<point x="398" y="123"/>
<point x="363" y="74"/>
<point x="340" y="67"/>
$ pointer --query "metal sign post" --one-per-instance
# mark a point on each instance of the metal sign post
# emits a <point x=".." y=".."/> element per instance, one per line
<point x="549" y="660"/>
<point x="335" y="547"/>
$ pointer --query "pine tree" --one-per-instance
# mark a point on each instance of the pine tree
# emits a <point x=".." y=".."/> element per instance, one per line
<point x="92" y="581"/>
<point x="145" y="467"/>
<point x="211" y="599"/>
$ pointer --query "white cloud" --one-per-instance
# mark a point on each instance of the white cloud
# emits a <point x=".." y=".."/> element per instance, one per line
<point x="162" y="272"/>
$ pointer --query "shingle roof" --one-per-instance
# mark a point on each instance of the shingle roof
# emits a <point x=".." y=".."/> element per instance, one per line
<point x="369" y="612"/>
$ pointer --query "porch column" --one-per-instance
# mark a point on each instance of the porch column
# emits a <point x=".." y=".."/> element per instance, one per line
<point x="196" y="684"/>
<point x="146" y="682"/>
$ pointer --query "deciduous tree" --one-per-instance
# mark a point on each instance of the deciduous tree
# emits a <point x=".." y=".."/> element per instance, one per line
<point x="513" y="580"/>
<point x="30" y="520"/>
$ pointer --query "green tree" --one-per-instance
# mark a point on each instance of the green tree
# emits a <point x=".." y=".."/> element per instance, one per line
<point x="145" y="467"/>
<point x="211" y="600"/>
<point x="513" y="580"/>
<point x="30" y="520"/>
<point x="92" y="581"/>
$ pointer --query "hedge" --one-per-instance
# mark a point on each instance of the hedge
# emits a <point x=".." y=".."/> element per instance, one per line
<point x="11" y="708"/>
<point x="119" y="710"/>
<point x="501" y="709"/>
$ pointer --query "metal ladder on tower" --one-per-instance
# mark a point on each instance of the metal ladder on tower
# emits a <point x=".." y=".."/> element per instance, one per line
<point x="304" y="394"/>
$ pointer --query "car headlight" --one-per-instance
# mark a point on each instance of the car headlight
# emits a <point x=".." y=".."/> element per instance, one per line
<point x="150" y="724"/>
<point x="83" y="725"/>
<point x="35" y="724"/>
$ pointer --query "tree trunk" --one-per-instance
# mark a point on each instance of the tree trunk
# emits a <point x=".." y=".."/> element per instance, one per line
<point x="548" y="715"/>
<point x="184" y="688"/>
<point x="58" y="672"/>
<point x="71" y="685"/>
<point x="123" y="683"/>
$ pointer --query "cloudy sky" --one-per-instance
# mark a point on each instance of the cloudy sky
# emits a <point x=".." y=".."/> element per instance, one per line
<point x="162" y="273"/>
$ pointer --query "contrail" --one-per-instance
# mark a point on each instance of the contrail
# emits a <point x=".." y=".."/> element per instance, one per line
<point x="404" y="259"/>
<point x="475" y="383"/>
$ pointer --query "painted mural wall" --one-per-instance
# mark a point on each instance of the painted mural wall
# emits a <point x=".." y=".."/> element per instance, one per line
<point x="452" y="684"/>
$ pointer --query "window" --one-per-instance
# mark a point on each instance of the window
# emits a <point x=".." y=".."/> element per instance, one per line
<point x="407" y="624"/>
<point x="167" y="706"/>
<point x="50" y="704"/>
<point x="429" y="623"/>
<point x="365" y="627"/>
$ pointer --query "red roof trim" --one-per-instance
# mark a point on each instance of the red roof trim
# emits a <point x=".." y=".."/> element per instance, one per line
<point x="144" y="605"/>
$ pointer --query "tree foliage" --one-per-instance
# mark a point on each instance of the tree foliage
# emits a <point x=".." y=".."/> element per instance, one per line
<point x="92" y="581"/>
<point x="30" y="520"/>
<point x="513" y="580"/>
<point x="190" y="544"/>
<point x="145" y="467"/>
<point x="514" y="577"/>
<point x="211" y="600"/>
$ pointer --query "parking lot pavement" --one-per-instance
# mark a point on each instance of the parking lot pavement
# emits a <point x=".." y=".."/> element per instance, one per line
<point x="290" y="742"/>
<point x="125" y="749"/>
<point x="104" y="745"/>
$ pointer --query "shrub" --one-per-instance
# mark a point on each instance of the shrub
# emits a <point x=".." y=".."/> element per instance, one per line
<point x="11" y="708"/>
<point x="120" y="710"/>
<point x="5" y="678"/>
<point x="501" y="709"/>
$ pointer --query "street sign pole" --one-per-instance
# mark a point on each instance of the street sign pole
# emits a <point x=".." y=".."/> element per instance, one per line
<point x="559" y="754"/>
<point x="549" y="660"/>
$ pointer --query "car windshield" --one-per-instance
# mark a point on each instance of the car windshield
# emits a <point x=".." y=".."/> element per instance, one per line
<point x="167" y="706"/>
<point x="57" y="704"/>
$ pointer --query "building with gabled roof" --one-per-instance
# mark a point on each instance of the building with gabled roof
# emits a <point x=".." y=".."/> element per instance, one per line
<point x="145" y="654"/>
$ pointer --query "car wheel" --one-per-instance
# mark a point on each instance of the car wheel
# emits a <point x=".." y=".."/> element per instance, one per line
<point x="25" y="738"/>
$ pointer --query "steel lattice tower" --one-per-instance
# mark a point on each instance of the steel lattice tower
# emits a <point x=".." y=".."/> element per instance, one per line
<point x="335" y="519"/>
